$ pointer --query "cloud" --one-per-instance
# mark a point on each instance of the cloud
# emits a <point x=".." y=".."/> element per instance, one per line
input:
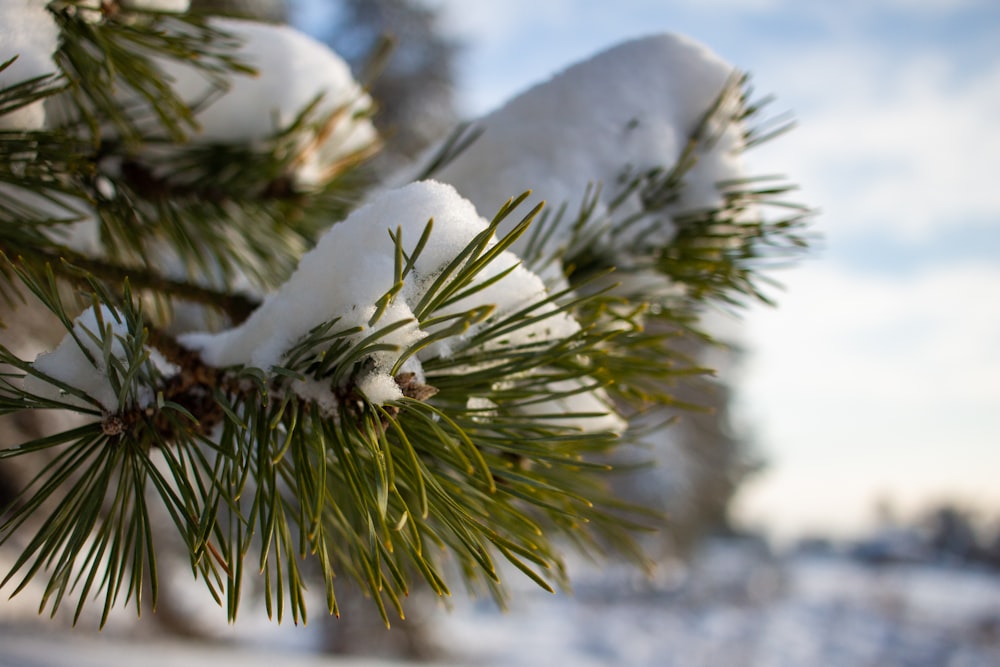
<point x="936" y="5"/>
<point x="896" y="146"/>
<point x="915" y="338"/>
<point x="861" y="386"/>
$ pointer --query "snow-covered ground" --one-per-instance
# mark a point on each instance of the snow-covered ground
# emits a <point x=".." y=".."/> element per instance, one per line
<point x="18" y="649"/>
<point x="738" y="607"/>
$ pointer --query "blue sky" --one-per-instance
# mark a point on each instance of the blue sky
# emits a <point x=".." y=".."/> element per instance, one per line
<point x="878" y="377"/>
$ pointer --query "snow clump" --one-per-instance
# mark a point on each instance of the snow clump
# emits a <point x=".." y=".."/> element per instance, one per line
<point x="27" y="31"/>
<point x="176" y="6"/>
<point x="619" y="114"/>
<point x="352" y="267"/>
<point x="293" y="70"/>
<point x="78" y="362"/>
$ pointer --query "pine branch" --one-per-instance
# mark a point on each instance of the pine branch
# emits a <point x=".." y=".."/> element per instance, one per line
<point x="28" y="92"/>
<point x="443" y="472"/>
<point x="80" y="271"/>
<point x="103" y="58"/>
<point x="717" y="253"/>
<point x="653" y="293"/>
<point x="428" y="405"/>
<point x="458" y="140"/>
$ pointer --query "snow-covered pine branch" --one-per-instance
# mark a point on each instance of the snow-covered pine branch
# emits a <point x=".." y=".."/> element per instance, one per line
<point x="630" y="110"/>
<point x="633" y="149"/>
<point x="639" y="153"/>
<point x="402" y="308"/>
<point x="285" y="373"/>
<point x="411" y="297"/>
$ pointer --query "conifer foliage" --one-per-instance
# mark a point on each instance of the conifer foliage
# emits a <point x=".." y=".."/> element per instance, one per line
<point x="298" y="372"/>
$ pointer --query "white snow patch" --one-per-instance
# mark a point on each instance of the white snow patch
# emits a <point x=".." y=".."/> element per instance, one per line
<point x="293" y="70"/>
<point x="77" y="226"/>
<point x="574" y="400"/>
<point x="81" y="364"/>
<point x="318" y="393"/>
<point x="176" y="6"/>
<point x="352" y="267"/>
<point x="379" y="388"/>
<point x="27" y="31"/>
<point x="629" y="109"/>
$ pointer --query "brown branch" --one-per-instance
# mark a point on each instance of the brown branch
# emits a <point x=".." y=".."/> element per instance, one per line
<point x="151" y="187"/>
<point x="194" y="388"/>
<point x="78" y="267"/>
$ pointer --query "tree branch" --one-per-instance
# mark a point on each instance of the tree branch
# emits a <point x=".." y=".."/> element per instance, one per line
<point x="79" y="268"/>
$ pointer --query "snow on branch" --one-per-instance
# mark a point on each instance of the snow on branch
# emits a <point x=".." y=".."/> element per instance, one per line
<point x="631" y="148"/>
<point x="297" y="85"/>
<point x="96" y="361"/>
<point x="422" y="376"/>
<point x="30" y="37"/>
<point x="627" y="110"/>
<point x="354" y="278"/>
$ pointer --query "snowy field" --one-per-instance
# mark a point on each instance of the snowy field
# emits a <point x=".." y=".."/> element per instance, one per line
<point x="745" y="610"/>
<point x="738" y="608"/>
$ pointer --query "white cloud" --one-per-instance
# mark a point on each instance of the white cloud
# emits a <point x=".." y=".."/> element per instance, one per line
<point x="901" y="148"/>
<point x="917" y="337"/>
<point x="863" y="386"/>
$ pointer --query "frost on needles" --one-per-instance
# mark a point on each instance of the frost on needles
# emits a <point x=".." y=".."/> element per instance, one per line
<point x="283" y="359"/>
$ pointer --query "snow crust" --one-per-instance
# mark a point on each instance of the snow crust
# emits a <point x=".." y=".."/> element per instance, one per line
<point x="629" y="109"/>
<point x="293" y="70"/>
<point x="27" y="31"/>
<point x="352" y="267"/>
<point x="81" y="366"/>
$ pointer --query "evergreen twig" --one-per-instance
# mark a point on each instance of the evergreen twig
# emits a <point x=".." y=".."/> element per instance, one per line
<point x="256" y="469"/>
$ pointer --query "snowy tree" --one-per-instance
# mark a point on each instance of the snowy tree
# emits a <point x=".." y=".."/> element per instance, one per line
<point x="297" y="371"/>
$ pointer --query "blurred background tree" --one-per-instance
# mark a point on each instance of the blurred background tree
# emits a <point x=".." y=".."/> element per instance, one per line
<point x="397" y="48"/>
